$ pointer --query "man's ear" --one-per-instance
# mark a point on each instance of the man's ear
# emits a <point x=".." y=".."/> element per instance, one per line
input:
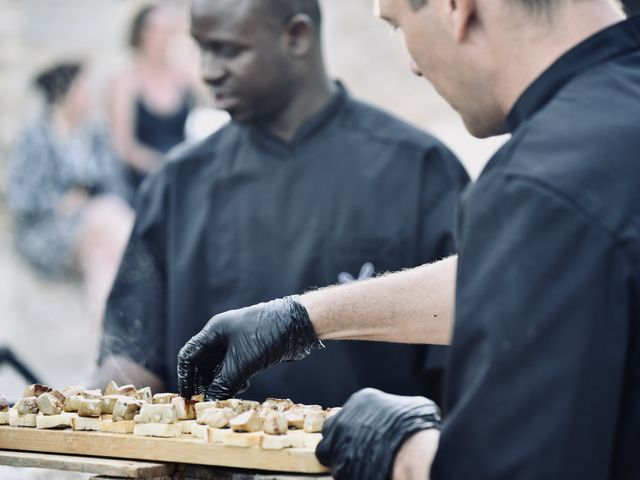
<point x="300" y="35"/>
<point x="461" y="14"/>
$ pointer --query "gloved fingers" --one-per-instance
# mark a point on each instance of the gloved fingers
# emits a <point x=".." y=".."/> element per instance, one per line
<point x="232" y="378"/>
<point x="198" y="362"/>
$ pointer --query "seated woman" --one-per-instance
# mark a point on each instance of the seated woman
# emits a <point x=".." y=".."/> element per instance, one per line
<point x="65" y="190"/>
<point x="150" y="100"/>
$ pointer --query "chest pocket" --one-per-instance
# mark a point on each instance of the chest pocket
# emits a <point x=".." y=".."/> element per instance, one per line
<point x="351" y="258"/>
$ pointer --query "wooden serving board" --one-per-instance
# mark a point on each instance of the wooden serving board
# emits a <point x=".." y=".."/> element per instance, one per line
<point x="186" y="449"/>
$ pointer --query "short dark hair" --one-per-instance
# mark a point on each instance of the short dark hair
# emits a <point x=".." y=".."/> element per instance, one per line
<point x="56" y="81"/>
<point x="138" y="24"/>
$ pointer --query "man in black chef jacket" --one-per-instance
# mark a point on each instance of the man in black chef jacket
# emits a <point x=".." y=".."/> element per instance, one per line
<point x="544" y="379"/>
<point x="304" y="187"/>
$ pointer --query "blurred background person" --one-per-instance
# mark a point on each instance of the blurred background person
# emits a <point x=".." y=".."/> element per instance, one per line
<point x="150" y="100"/>
<point x="65" y="189"/>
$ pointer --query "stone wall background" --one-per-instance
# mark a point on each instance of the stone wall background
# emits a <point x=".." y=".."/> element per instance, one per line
<point x="45" y="321"/>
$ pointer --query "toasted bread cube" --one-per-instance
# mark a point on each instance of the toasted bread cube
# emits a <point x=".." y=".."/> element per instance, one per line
<point x="185" y="408"/>
<point x="4" y="418"/>
<point x="71" y="391"/>
<point x="198" y="398"/>
<point x="313" y="422"/>
<point x="4" y="404"/>
<point x="35" y="390"/>
<point x="295" y="418"/>
<point x="126" y="408"/>
<point x="108" y="403"/>
<point x="216" y="435"/>
<point x="62" y="420"/>
<point x="91" y="394"/>
<point x="186" y="426"/>
<point x="163" y="398"/>
<point x="86" y="424"/>
<point x="89" y="408"/>
<point x="22" y="420"/>
<point x="246" y="422"/>
<point x="279" y="404"/>
<point x="202" y="406"/>
<point x="50" y="403"/>
<point x="239" y="406"/>
<point x="145" y="395"/>
<point x="111" y="388"/>
<point x="216" y="417"/>
<point x="27" y="405"/>
<point x="72" y="404"/>
<point x="157" y="430"/>
<point x="274" y="423"/>
<point x="160" y="413"/>
<point x="122" y="427"/>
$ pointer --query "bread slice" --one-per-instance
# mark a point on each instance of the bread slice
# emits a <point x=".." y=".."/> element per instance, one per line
<point x="217" y="435"/>
<point x="186" y="425"/>
<point x="199" y="431"/>
<point x="86" y="424"/>
<point x="244" y="440"/>
<point x="22" y="420"/>
<point x="279" y="442"/>
<point x="62" y="420"/>
<point x="122" y="427"/>
<point x="158" y="430"/>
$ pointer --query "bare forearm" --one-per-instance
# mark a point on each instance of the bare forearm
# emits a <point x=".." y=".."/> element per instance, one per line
<point x="416" y="455"/>
<point x="413" y="306"/>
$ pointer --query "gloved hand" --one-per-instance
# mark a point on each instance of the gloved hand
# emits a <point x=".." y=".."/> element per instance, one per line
<point x="362" y="440"/>
<point x="235" y="345"/>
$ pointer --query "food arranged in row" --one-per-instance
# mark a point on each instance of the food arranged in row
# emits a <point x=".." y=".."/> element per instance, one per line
<point x="274" y="424"/>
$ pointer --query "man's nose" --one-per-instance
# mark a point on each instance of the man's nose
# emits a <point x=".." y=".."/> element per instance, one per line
<point x="415" y="68"/>
<point x="213" y="70"/>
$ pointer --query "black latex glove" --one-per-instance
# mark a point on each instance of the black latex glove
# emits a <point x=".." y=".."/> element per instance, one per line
<point x="235" y="345"/>
<point x="362" y="440"/>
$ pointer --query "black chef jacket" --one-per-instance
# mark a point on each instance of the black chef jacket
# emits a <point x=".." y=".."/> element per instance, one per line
<point x="545" y="361"/>
<point x="245" y="217"/>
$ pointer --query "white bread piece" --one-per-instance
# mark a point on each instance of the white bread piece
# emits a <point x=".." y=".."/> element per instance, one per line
<point x="4" y="418"/>
<point x="62" y="420"/>
<point x="35" y="390"/>
<point x="246" y="422"/>
<point x="126" y="408"/>
<point x="22" y="420"/>
<point x="27" y="405"/>
<point x="279" y="442"/>
<point x="50" y="403"/>
<point x="311" y="440"/>
<point x="186" y="425"/>
<point x="91" y="394"/>
<point x="145" y="395"/>
<point x="122" y="427"/>
<point x="108" y="403"/>
<point x="158" y="430"/>
<point x="72" y="391"/>
<point x="89" y="408"/>
<point x="199" y="431"/>
<point x="86" y="424"/>
<point x="239" y="406"/>
<point x="111" y="388"/>
<point x="216" y="417"/>
<point x="185" y="408"/>
<point x="128" y="391"/>
<point x="160" y="413"/>
<point x="314" y="422"/>
<point x="202" y="406"/>
<point x="295" y="418"/>
<point x="163" y="398"/>
<point x="244" y="440"/>
<point x="216" y="435"/>
<point x="274" y="423"/>
<point x="198" y="398"/>
<point x="72" y="403"/>
<point x="106" y="416"/>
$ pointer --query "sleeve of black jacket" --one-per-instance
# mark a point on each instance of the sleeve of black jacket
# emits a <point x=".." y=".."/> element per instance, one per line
<point x="134" y="320"/>
<point x="540" y="339"/>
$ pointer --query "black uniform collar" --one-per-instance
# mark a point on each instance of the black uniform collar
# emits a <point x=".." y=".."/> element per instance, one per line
<point x="611" y="42"/>
<point x="309" y="128"/>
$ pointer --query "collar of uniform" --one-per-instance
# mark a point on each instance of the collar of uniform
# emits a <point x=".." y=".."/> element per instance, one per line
<point x="609" y="43"/>
<point x="309" y="127"/>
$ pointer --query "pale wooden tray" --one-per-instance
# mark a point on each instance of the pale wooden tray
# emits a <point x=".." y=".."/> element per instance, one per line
<point x="186" y="449"/>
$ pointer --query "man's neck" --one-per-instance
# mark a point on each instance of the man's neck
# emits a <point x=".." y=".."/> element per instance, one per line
<point x="308" y="102"/>
<point x="533" y="54"/>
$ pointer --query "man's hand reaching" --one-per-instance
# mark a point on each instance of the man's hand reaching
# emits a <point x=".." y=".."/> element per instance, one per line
<point x="235" y="345"/>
